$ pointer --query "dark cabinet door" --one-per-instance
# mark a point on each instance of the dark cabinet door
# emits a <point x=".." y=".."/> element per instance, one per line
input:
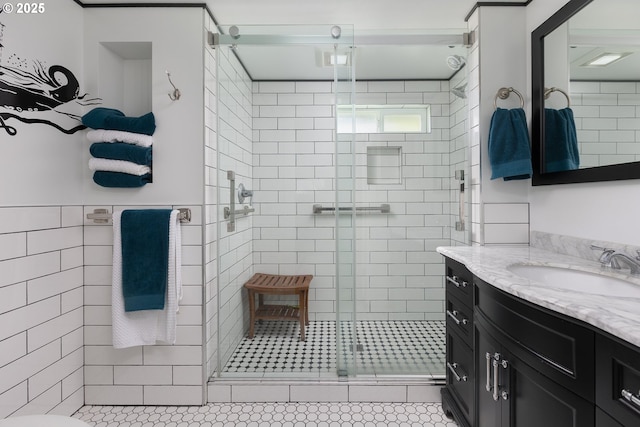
<point x="511" y="393"/>
<point x="460" y="381"/>
<point x="489" y="410"/>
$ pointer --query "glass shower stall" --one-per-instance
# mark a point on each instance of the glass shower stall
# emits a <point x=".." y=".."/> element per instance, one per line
<point x="356" y="182"/>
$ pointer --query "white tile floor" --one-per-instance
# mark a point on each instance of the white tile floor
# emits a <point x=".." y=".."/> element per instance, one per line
<point x="269" y="415"/>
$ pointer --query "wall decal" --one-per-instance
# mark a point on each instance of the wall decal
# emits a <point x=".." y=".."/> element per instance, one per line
<point x="33" y="93"/>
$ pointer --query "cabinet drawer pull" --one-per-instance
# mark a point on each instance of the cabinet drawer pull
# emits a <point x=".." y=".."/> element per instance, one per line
<point x="496" y="379"/>
<point x="454" y="315"/>
<point x="488" y="386"/>
<point x="631" y="398"/>
<point x="456" y="282"/>
<point x="452" y="367"/>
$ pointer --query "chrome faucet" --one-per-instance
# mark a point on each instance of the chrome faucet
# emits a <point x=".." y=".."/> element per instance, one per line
<point x="612" y="259"/>
<point x="632" y="263"/>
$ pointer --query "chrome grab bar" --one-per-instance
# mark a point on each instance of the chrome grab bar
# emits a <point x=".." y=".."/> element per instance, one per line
<point x="231" y="225"/>
<point x="452" y="368"/>
<point x="231" y="212"/>
<point x="246" y="210"/>
<point x="384" y="208"/>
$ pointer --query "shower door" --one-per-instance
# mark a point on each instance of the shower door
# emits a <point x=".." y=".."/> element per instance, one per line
<point x="276" y="135"/>
<point x="402" y="154"/>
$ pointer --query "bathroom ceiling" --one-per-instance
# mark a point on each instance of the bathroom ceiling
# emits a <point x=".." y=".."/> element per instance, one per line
<point x="394" y="56"/>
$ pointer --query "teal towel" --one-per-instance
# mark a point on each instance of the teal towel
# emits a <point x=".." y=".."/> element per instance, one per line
<point x="121" y="151"/>
<point x="119" y="179"/>
<point x="560" y="141"/>
<point x="112" y="119"/>
<point x="145" y="258"/>
<point x="509" y="148"/>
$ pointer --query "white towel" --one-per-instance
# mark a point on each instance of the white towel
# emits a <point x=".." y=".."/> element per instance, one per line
<point x="146" y="327"/>
<point x="105" y="135"/>
<point x="96" y="164"/>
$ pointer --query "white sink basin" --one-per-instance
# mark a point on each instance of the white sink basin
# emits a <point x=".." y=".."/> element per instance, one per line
<point x="576" y="280"/>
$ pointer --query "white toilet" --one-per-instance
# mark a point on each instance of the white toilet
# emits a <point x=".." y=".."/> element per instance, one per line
<point x="42" y="421"/>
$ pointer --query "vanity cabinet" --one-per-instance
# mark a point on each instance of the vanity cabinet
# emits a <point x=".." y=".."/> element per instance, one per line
<point x="531" y="366"/>
<point x="511" y="388"/>
<point x="458" y="395"/>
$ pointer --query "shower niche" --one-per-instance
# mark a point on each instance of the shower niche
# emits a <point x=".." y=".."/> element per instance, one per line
<point x="125" y="76"/>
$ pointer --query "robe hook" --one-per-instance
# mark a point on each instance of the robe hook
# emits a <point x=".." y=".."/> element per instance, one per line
<point x="176" y="92"/>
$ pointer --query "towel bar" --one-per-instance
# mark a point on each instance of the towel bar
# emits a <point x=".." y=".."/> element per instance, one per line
<point x="102" y="216"/>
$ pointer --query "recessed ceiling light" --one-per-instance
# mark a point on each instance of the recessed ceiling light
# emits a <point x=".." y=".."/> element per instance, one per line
<point x="605" y="59"/>
<point x="330" y="59"/>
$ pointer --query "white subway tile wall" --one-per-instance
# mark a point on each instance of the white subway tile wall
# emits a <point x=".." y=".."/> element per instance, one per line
<point x="234" y="248"/>
<point x="41" y="315"/>
<point x="143" y="375"/>
<point x="473" y="101"/>
<point x="400" y="274"/>
<point x="607" y="116"/>
<point x="211" y="196"/>
<point x="459" y="161"/>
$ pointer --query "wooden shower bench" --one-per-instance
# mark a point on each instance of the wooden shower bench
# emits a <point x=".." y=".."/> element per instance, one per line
<point x="275" y="284"/>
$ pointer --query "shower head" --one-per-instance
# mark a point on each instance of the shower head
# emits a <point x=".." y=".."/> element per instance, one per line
<point x="455" y="62"/>
<point x="460" y="91"/>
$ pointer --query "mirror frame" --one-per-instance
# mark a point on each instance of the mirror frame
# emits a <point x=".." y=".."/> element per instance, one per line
<point x="594" y="174"/>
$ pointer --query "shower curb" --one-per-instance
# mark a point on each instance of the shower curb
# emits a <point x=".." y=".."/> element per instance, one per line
<point x="351" y="390"/>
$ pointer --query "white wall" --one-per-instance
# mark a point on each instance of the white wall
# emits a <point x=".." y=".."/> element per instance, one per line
<point x="41" y="316"/>
<point x="501" y="212"/>
<point x="40" y="164"/>
<point x="177" y="47"/>
<point x="606" y="211"/>
<point x="159" y="374"/>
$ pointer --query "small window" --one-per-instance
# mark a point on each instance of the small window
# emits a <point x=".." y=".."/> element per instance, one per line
<point x="384" y="119"/>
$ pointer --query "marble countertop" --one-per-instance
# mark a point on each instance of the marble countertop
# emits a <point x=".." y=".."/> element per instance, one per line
<point x="620" y="316"/>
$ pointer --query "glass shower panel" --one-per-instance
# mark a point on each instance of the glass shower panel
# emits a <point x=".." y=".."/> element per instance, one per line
<point x="345" y="217"/>
<point x="277" y="134"/>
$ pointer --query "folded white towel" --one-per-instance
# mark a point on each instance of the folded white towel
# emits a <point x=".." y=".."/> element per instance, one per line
<point x="96" y="164"/>
<point x="146" y="327"/>
<point x="105" y="135"/>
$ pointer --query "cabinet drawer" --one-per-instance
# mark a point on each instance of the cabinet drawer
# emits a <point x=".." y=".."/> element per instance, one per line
<point x="460" y="378"/>
<point x="617" y="376"/>
<point x="549" y="342"/>
<point x="459" y="282"/>
<point x="460" y="319"/>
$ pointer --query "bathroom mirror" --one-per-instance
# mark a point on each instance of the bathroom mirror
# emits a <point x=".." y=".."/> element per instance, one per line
<point x="604" y="99"/>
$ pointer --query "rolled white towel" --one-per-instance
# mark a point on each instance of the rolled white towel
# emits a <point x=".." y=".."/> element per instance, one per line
<point x="104" y="135"/>
<point x="122" y="166"/>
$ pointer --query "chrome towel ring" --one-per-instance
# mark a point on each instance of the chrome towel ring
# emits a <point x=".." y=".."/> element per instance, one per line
<point x="549" y="91"/>
<point x="503" y="93"/>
